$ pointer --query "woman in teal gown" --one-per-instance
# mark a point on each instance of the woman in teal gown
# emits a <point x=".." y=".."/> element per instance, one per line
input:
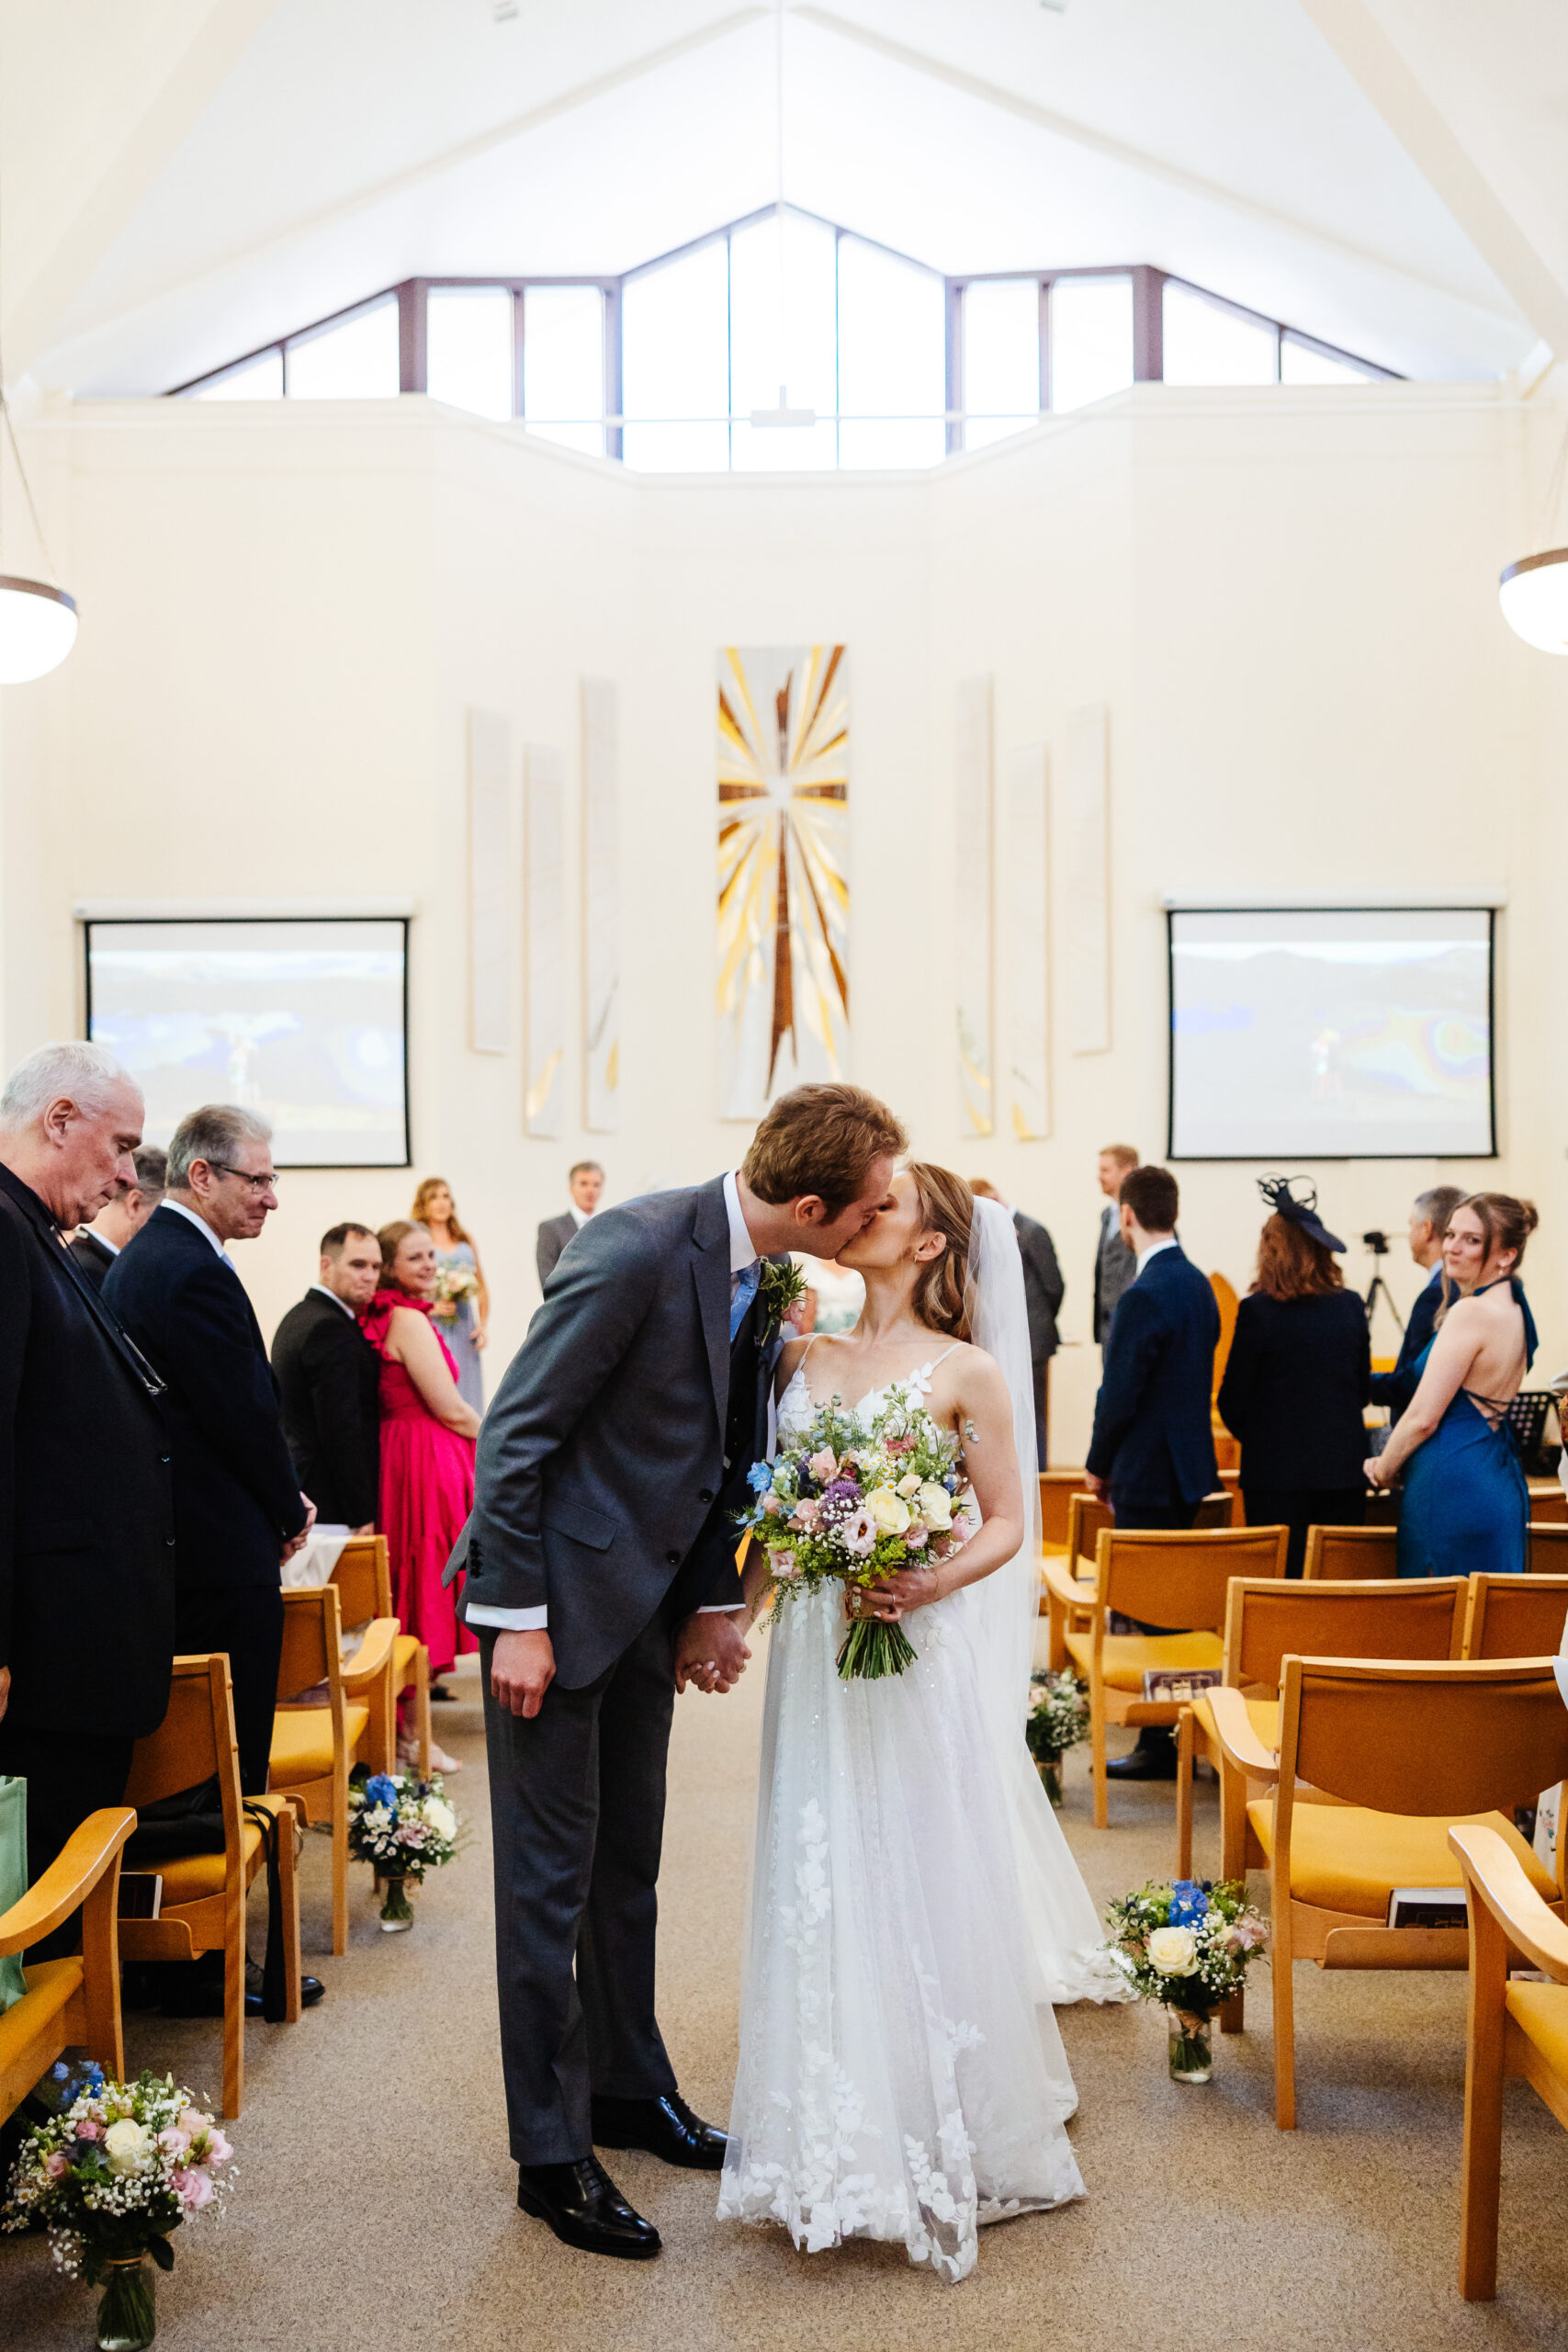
<point x="1465" y="1504"/>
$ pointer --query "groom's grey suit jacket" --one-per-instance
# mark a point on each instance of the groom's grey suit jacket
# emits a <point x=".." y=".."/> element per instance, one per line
<point x="602" y="1469"/>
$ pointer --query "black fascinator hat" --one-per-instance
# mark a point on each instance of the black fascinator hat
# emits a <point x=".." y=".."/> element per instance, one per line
<point x="1301" y="1207"/>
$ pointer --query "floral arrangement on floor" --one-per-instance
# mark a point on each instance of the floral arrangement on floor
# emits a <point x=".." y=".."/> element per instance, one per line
<point x="1057" y="1720"/>
<point x="402" y="1826"/>
<point x="841" y="1504"/>
<point x="110" y="2177"/>
<point x="1188" y="1945"/>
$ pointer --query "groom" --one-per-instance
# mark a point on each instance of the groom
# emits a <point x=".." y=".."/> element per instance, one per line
<point x="601" y="1577"/>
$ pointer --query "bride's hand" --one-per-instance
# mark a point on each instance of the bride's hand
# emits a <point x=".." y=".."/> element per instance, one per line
<point x="896" y="1595"/>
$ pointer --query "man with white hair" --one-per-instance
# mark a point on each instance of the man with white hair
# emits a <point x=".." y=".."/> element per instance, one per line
<point x="86" y="1502"/>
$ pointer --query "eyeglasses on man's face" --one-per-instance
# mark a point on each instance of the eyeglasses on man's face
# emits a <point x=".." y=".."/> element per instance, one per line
<point x="258" y="1184"/>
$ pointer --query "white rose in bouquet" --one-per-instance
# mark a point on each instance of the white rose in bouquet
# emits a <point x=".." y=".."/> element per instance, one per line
<point x="127" y="2145"/>
<point x="935" y="1507"/>
<point x="889" y="1511"/>
<point x="441" y="1817"/>
<point x="1173" y="1950"/>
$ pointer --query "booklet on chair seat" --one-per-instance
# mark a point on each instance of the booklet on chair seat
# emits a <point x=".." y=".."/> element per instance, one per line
<point x="1178" y="1685"/>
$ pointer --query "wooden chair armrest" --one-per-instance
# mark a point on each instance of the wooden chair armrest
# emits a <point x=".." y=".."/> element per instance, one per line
<point x="1493" y="1874"/>
<point x="1067" y="1586"/>
<point x="69" y="1879"/>
<point x="1240" y="1742"/>
<point x="373" y="1656"/>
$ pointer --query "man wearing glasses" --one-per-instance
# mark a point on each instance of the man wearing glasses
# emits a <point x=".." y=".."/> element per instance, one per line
<point x="239" y="1512"/>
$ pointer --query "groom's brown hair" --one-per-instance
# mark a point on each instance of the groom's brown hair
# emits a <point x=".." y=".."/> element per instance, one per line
<point x="823" y="1139"/>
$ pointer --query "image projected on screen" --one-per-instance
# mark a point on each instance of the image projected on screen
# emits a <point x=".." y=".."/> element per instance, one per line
<point x="302" y="1020"/>
<point x="1346" y="1033"/>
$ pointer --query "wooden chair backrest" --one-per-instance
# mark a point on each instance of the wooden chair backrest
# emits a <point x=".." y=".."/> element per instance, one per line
<point x="1433" y="1739"/>
<point x="1229" y="1304"/>
<point x="312" y="1625"/>
<point x="1087" y="1518"/>
<point x="1514" y="1616"/>
<point x="195" y="1740"/>
<point x="1547" y="1548"/>
<point x="1181" y="1580"/>
<point x="1269" y="1620"/>
<point x="1549" y="1501"/>
<point x="364" y="1579"/>
<point x="1354" y="1553"/>
<point x="1057" y="1488"/>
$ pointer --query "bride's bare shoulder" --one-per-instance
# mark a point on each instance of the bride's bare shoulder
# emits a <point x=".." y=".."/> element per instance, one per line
<point x="972" y="1371"/>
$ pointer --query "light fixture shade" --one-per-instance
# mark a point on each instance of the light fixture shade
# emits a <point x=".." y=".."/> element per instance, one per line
<point x="1533" y="593"/>
<point x="38" y="628"/>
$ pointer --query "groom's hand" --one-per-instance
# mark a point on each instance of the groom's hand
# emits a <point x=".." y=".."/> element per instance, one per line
<point x="522" y="1668"/>
<point x="710" y="1650"/>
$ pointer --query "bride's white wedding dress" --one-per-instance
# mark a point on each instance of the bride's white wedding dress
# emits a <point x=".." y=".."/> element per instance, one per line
<point x="913" y="1913"/>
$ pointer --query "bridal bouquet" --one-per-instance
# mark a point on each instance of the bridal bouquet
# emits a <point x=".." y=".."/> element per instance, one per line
<point x="843" y="1504"/>
<point x="403" y="1826"/>
<point x="110" y="2177"/>
<point x="1190" y="1946"/>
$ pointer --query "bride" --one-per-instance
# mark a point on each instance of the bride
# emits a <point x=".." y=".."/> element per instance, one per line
<point x="914" y="1908"/>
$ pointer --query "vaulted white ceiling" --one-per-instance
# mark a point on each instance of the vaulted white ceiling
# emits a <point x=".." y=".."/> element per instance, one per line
<point x="183" y="180"/>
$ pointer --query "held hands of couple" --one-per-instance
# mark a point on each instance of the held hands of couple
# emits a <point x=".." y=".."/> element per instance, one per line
<point x="710" y="1650"/>
<point x="298" y="1543"/>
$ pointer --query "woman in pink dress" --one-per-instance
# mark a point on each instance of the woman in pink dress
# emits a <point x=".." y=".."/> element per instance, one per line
<point x="427" y="1452"/>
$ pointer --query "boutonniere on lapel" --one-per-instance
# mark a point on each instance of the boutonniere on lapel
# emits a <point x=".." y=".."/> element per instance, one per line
<point x="781" y="1286"/>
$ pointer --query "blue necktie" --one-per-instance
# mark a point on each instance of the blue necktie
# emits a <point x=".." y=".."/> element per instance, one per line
<point x="742" y="1291"/>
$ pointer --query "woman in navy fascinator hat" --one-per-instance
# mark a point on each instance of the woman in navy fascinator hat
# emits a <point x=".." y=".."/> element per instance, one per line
<point x="1297" y="1380"/>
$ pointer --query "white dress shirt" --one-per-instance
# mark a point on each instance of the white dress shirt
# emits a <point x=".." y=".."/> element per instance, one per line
<point x="1152" y="1251"/>
<point x="742" y="1253"/>
<point x="336" y="1300"/>
<point x="578" y="1216"/>
<point x="103" y="1240"/>
<point x="201" y="1225"/>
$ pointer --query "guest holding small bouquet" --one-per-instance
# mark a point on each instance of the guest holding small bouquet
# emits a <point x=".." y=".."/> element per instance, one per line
<point x="462" y="1296"/>
<point x="427" y="1450"/>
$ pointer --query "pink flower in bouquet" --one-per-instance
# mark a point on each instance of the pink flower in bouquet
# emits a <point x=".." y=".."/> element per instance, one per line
<point x="770" y="1506"/>
<point x="192" y="2187"/>
<point x="192" y="2121"/>
<point x="916" y="1535"/>
<point x="176" y="2140"/>
<point x="58" y="2165"/>
<point x="87" y="2129"/>
<point x="858" y="1533"/>
<point x="782" y="1563"/>
<point x="900" y="1445"/>
<point x="823" y="1465"/>
<point x="218" y="2150"/>
<point x="804" y="1516"/>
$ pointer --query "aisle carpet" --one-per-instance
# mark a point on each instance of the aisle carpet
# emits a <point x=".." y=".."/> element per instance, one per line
<point x="376" y="2204"/>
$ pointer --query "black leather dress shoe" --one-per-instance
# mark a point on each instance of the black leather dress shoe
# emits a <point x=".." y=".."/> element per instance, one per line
<point x="584" y="2208"/>
<point x="1144" y="1764"/>
<point x="202" y="1995"/>
<point x="665" y="2127"/>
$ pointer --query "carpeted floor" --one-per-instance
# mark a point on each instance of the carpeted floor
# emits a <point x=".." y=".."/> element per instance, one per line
<point x="376" y="2204"/>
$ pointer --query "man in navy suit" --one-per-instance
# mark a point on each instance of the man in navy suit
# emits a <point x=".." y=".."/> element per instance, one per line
<point x="1428" y="1223"/>
<point x="1153" y="1449"/>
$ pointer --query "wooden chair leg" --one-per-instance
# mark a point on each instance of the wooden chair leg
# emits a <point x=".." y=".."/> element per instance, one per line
<point x="234" y="2015"/>
<point x="1485" y="2044"/>
<point x="1056" y="1630"/>
<point x="1233" y="1865"/>
<point x="339" y="1857"/>
<point x="421" y="1706"/>
<point x="288" y="1891"/>
<point x="1097" y="1748"/>
<point x="1184" y="1740"/>
<point x="100" y="1974"/>
<point x="1279" y="1969"/>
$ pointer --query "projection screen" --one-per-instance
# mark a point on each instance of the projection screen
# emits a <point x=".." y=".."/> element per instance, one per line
<point x="304" y="1020"/>
<point x="1332" y="1034"/>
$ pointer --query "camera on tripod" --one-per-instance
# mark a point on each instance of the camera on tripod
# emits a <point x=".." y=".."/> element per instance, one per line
<point x="1377" y="1242"/>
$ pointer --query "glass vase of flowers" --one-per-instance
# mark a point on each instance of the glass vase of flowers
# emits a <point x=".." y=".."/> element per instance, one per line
<point x="1188" y="1945"/>
<point x="1057" y="1720"/>
<point x="402" y="1826"/>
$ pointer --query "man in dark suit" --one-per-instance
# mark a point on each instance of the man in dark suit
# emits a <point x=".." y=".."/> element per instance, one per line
<point x="97" y="1245"/>
<point x="238" y="1509"/>
<point x="1428" y="1223"/>
<point x="1153" y="1448"/>
<point x="601" y="1578"/>
<point x="1115" y="1265"/>
<point x="87" y="1503"/>
<point x="329" y="1378"/>
<point x="1044" y="1291"/>
<point x="586" y="1184"/>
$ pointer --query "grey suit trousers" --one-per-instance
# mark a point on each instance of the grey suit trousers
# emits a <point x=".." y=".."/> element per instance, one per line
<point x="577" y="1804"/>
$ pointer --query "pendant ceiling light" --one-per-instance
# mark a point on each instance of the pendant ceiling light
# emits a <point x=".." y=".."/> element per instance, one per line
<point x="1533" y="593"/>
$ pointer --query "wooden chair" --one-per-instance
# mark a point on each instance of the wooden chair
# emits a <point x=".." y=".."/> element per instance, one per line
<point x="1357" y="1554"/>
<point x="1057" y="1488"/>
<point x="203" y="1906"/>
<point x="1407" y="1749"/>
<point x="315" y="1744"/>
<point x="1177" y="1579"/>
<point x="1516" y="2028"/>
<point x="1549" y="1501"/>
<point x="364" y="1579"/>
<point x="75" y="2001"/>
<point x="1266" y="1621"/>
<point x="1547" y="1547"/>
<point x="1513" y="1616"/>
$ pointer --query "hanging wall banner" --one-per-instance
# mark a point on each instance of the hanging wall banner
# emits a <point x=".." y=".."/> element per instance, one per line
<point x="491" y="883"/>
<point x="783" y="886"/>
<point x="543" y="892"/>
<point x="972" y="908"/>
<point x="1026" y="995"/>
<point x="601" y="906"/>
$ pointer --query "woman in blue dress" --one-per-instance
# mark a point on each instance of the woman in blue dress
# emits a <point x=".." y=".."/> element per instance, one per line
<point x="1465" y="1504"/>
<point x="461" y="1321"/>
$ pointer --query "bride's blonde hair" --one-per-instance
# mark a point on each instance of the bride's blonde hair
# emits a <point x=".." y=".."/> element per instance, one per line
<point x="941" y="1297"/>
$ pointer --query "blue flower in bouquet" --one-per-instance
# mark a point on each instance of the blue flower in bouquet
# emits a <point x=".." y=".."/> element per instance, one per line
<point x="379" y="1789"/>
<point x="759" y="1477"/>
<point x="1189" y="1902"/>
